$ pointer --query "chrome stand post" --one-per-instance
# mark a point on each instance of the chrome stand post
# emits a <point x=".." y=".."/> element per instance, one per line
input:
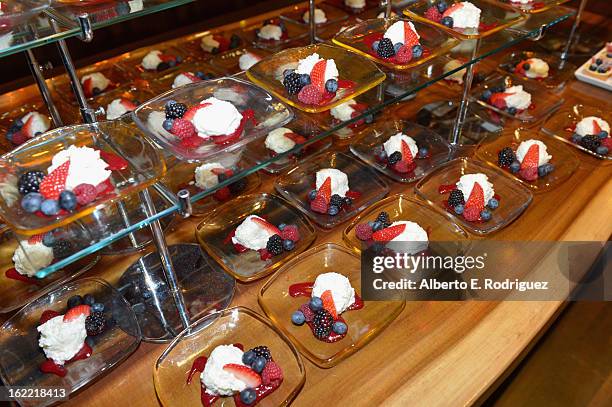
<point x="572" y="35"/>
<point x="463" y="106"/>
<point x="388" y="6"/>
<point x="43" y="88"/>
<point x="312" y="26"/>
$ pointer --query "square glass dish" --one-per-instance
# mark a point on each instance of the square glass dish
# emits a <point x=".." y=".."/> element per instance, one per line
<point x="132" y="61"/>
<point x="360" y="37"/>
<point x="543" y="102"/>
<point x="366" y="186"/>
<point x="112" y="138"/>
<point x="556" y="78"/>
<point x="513" y="197"/>
<point x="363" y="324"/>
<point x="563" y="124"/>
<point x="365" y="75"/>
<point x="304" y="125"/>
<point x="563" y="159"/>
<point x="21" y="356"/>
<point x="297" y="13"/>
<point x="293" y="35"/>
<point x="237" y="325"/>
<point x="17" y="289"/>
<point x="229" y="62"/>
<point x="375" y="136"/>
<point x="535" y="6"/>
<point x="268" y="113"/>
<point x="494" y="16"/>
<point x="440" y="227"/>
<point x="217" y="227"/>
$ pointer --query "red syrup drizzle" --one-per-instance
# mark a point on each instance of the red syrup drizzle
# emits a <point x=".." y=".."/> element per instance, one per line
<point x="368" y="40"/>
<point x="305" y="290"/>
<point x="486" y="27"/>
<point x="14" y="275"/>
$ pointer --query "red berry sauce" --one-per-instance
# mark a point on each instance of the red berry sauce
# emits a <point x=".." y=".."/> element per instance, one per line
<point x="15" y="275"/>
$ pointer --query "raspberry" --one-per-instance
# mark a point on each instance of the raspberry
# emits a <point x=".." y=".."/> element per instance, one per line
<point x="85" y="193"/>
<point x="182" y="128"/>
<point x="192" y="142"/>
<point x="310" y="95"/>
<point x="319" y="204"/>
<point x="404" y="55"/>
<point x="308" y="313"/>
<point x="607" y="142"/>
<point x="290" y="232"/>
<point x="363" y="231"/>
<point x="19" y="138"/>
<point x="271" y="374"/>
<point x="433" y="14"/>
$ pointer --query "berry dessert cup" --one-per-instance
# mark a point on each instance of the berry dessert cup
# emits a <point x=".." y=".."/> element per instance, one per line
<point x="216" y="348"/>
<point x="238" y="60"/>
<point x="315" y="300"/>
<point x="349" y="110"/>
<point x="274" y="34"/>
<point x="479" y="197"/>
<point x="61" y="340"/>
<point x="24" y="128"/>
<point x="538" y="67"/>
<point x="219" y="42"/>
<point x="354" y="6"/>
<point x="331" y="187"/>
<point x="324" y="15"/>
<point x="148" y="63"/>
<point x="254" y="234"/>
<point x="317" y="77"/>
<point x="188" y="73"/>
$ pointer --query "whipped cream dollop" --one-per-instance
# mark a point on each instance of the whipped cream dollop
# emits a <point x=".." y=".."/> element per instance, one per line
<point x="277" y="142"/>
<point x="340" y="286"/>
<point x="218" y="118"/>
<point x="457" y="76"/>
<point x="39" y="123"/>
<point x="152" y="60"/>
<point x="31" y="257"/>
<point x="116" y="109"/>
<point x="98" y="80"/>
<point x="209" y="43"/>
<point x="414" y="238"/>
<point x="521" y="1"/>
<point x="394" y="143"/>
<point x="396" y="32"/>
<point x="343" y="111"/>
<point x="251" y="234"/>
<point x="62" y="340"/>
<point x="467" y="181"/>
<point x="305" y="66"/>
<point x="355" y="3"/>
<point x="217" y="381"/>
<point x="319" y="15"/>
<point x="247" y="60"/>
<point x="86" y="166"/>
<point x="543" y="156"/>
<point x="204" y="177"/>
<point x="538" y="68"/>
<point x="464" y="14"/>
<point x="339" y="180"/>
<point x="585" y="126"/>
<point x="517" y="97"/>
<point x="184" y="78"/>
<point x="270" y="32"/>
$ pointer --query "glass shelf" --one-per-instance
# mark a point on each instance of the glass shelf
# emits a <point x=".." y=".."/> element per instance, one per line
<point x="495" y="44"/>
<point x="37" y="30"/>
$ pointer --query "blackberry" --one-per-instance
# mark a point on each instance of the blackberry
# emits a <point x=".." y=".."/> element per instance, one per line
<point x="238" y="186"/>
<point x="95" y="323"/>
<point x="293" y="83"/>
<point x="336" y="200"/>
<point x="590" y="142"/>
<point x="61" y="249"/>
<point x="323" y="322"/>
<point x="456" y="198"/>
<point x="262" y="352"/>
<point x="505" y="157"/>
<point x="385" y="48"/>
<point x="395" y="158"/>
<point x="383" y="218"/>
<point x="175" y="110"/>
<point x="275" y="245"/>
<point x="30" y="182"/>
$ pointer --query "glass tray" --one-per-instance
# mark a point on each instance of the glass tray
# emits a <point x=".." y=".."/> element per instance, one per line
<point x="556" y="78"/>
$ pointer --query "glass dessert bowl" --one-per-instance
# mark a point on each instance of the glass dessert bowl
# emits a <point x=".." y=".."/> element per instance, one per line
<point x="317" y="77"/>
<point x="401" y="150"/>
<point x="289" y="290"/>
<point x="176" y="384"/>
<point x="198" y="120"/>
<point x="253" y="235"/>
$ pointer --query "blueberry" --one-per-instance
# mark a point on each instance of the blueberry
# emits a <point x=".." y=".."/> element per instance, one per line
<point x="97" y="307"/>
<point x="298" y="318"/>
<point x="162" y="66"/>
<point x="397" y="46"/>
<point x="602" y="150"/>
<point x="515" y="167"/>
<point x="331" y="85"/>
<point x="38" y="133"/>
<point x="248" y="396"/>
<point x="31" y="202"/>
<point x="380" y="154"/>
<point x="89" y="340"/>
<point x="486" y="95"/>
<point x="512" y="110"/>
<point x="599" y="61"/>
<point x="378" y="225"/>
<point x="526" y="67"/>
<point x="333" y="210"/>
<point x="459" y="209"/>
<point x="549" y="168"/>
<point x="89" y="299"/>
<point x="576" y="138"/>
<point x="287" y="72"/>
<point x="442" y="6"/>
<point x="423" y="152"/>
<point x="315" y="303"/>
<point x="339" y="327"/>
<point x="282" y="226"/>
<point x="485" y="214"/>
<point x="17" y="124"/>
<point x="74" y="301"/>
<point x="248" y="357"/>
<point x="167" y="124"/>
<point x="170" y="103"/>
<point x="447" y="21"/>
<point x="50" y="207"/>
<point x="369" y="119"/>
<point x="49" y="239"/>
<point x="603" y="134"/>
<point x="493" y="203"/>
<point x="96" y="91"/>
<point x="542" y="171"/>
<point x="375" y="45"/>
<point x="67" y="200"/>
<point x="305" y="79"/>
<point x="371" y="224"/>
<point x="259" y="363"/>
<point x="417" y="51"/>
<point x="497" y="89"/>
<point x="288" y="245"/>
<point x="592" y="67"/>
<point x="312" y="194"/>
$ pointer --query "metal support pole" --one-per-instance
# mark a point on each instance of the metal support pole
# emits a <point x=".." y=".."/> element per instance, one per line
<point x="572" y="35"/>
<point x="185" y="208"/>
<point x="463" y="106"/>
<point x="388" y="4"/>
<point x="43" y="88"/>
<point x="311" y="22"/>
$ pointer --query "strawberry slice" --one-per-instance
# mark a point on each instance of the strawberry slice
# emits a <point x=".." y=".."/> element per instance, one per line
<point x="410" y="37"/>
<point x="88" y="87"/>
<point x="75" y="312"/>
<point x="218" y="171"/>
<point x="296" y="138"/>
<point x="596" y="127"/>
<point x="128" y="104"/>
<point x="452" y="9"/>
<point x="27" y="127"/>
<point x="267" y="225"/>
<point x="192" y="77"/>
<point x="388" y="234"/>
<point x="325" y="190"/>
<point x="244" y="374"/>
<point x="36" y="238"/>
<point x="529" y="165"/>
<point x="328" y="303"/>
<point x="317" y="75"/>
<point x="54" y="183"/>
<point x="475" y="203"/>
<point x="406" y="153"/>
<point x="499" y="100"/>
<point x="319" y="204"/>
<point x="406" y="164"/>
